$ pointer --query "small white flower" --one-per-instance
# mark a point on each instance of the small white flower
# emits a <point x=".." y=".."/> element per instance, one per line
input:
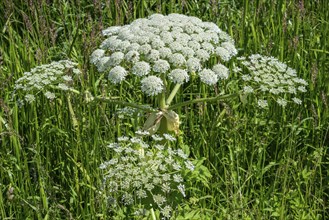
<point x="161" y="66"/>
<point x="153" y="55"/>
<point x="29" y="98"/>
<point x="166" y="211"/>
<point x="262" y="103"/>
<point x="159" y="199"/>
<point x="67" y="78"/>
<point x="152" y="85"/>
<point x="223" y="53"/>
<point x="301" y="88"/>
<point x="193" y="65"/>
<point x="181" y="153"/>
<point x="96" y="56"/>
<point x="221" y="71"/>
<point x="189" y="165"/>
<point x="103" y="64"/>
<point x="178" y="76"/>
<point x="157" y="138"/>
<point x="229" y="46"/>
<point x="157" y="43"/>
<point x="178" y="178"/>
<point x="175" y="47"/>
<point x="208" y="77"/>
<point x="50" y="95"/>
<point x="141" y="68"/>
<point x="165" y="52"/>
<point x="246" y="77"/>
<point x="111" y="30"/>
<point x="142" y="133"/>
<point x="248" y="89"/>
<point x="203" y="55"/>
<point x="116" y="58"/>
<point x="177" y="59"/>
<point x="63" y="86"/>
<point x="208" y="47"/>
<point x="297" y="100"/>
<point x="136" y="47"/>
<point x="194" y="45"/>
<point x="187" y="52"/>
<point x="144" y="49"/>
<point x="169" y="137"/>
<point x="282" y="102"/>
<point x="132" y="56"/>
<point x="181" y="188"/>
<point x="117" y="74"/>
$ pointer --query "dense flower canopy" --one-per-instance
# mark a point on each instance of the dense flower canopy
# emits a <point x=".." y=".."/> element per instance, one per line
<point x="169" y="47"/>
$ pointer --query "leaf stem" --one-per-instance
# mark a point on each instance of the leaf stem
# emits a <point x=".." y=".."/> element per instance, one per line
<point x="211" y="99"/>
<point x="172" y="94"/>
<point x="119" y="102"/>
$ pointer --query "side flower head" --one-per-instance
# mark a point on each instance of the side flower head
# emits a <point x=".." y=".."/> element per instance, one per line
<point x="268" y="75"/>
<point x="49" y="78"/>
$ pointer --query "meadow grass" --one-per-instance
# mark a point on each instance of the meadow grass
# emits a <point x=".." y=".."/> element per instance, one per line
<point x="265" y="164"/>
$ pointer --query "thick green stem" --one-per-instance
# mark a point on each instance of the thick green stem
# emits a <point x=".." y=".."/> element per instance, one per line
<point x="153" y="214"/>
<point x="172" y="94"/>
<point x="162" y="101"/>
<point x="211" y="99"/>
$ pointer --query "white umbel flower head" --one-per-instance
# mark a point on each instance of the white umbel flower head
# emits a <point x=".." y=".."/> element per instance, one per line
<point x="96" y="56"/>
<point x="116" y="58"/>
<point x="223" y="53"/>
<point x="269" y="75"/>
<point x="44" y="78"/>
<point x="178" y="76"/>
<point x="221" y="71"/>
<point x="177" y="60"/>
<point x="152" y="85"/>
<point x="141" y="68"/>
<point x="117" y="74"/>
<point x="161" y="66"/>
<point x="166" y="43"/>
<point x="193" y="64"/>
<point x="208" y="77"/>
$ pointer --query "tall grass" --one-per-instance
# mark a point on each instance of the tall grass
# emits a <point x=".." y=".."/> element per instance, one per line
<point x="265" y="164"/>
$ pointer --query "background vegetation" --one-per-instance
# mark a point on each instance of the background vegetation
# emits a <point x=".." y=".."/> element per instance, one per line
<point x="265" y="164"/>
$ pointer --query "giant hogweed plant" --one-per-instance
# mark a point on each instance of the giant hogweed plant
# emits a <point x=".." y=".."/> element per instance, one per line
<point x="162" y="53"/>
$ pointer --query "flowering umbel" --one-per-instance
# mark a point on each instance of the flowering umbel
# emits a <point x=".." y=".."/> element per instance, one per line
<point x="58" y="75"/>
<point x="268" y="75"/>
<point x="143" y="173"/>
<point x="167" y="47"/>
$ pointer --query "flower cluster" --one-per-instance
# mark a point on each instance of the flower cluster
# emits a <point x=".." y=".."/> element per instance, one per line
<point x="139" y="172"/>
<point x="45" y="78"/>
<point x="269" y="75"/>
<point x="166" y="46"/>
